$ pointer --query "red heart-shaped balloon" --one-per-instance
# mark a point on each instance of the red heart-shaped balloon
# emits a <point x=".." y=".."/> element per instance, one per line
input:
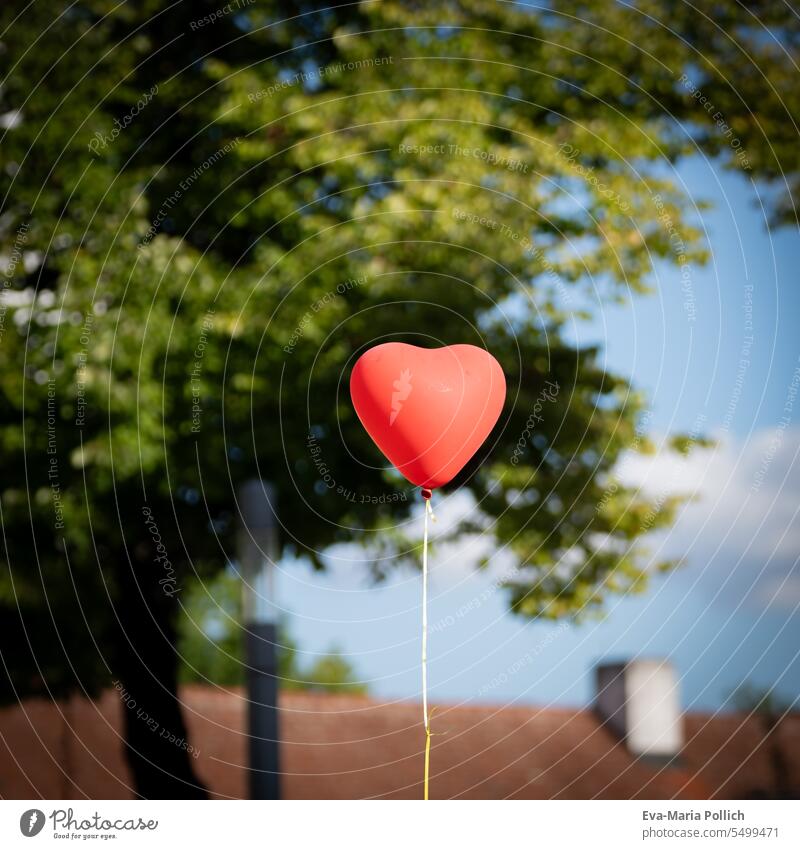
<point x="428" y="410"/>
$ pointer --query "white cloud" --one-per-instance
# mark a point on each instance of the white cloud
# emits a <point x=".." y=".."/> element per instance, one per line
<point x="741" y="534"/>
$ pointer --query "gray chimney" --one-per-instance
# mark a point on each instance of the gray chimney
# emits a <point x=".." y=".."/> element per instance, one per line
<point x="640" y="702"/>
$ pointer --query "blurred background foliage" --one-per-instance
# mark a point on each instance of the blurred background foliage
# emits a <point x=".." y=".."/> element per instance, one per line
<point x="211" y="644"/>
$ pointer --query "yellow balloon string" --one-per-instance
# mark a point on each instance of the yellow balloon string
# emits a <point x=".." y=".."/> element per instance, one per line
<point x="425" y="715"/>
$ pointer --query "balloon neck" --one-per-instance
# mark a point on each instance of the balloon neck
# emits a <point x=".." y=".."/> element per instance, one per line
<point x="426" y="494"/>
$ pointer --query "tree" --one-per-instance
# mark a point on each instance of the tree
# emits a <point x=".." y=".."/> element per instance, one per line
<point x="769" y="710"/>
<point x="208" y="213"/>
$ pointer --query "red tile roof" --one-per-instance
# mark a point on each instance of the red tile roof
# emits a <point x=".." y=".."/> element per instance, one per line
<point x="344" y="747"/>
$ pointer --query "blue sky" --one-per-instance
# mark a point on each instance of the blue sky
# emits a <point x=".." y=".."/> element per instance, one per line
<point x="730" y="615"/>
<point x="689" y="368"/>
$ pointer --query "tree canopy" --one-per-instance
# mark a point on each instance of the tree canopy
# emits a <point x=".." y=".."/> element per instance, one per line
<point x="208" y="213"/>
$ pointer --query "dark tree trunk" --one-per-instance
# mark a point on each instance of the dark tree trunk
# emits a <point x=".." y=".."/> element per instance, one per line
<point x="156" y="740"/>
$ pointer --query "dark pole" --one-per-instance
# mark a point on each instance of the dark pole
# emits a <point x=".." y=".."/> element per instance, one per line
<point x="258" y="549"/>
<point x="262" y="695"/>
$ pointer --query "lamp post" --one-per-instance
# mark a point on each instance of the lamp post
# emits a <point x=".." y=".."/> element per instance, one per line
<point x="258" y="548"/>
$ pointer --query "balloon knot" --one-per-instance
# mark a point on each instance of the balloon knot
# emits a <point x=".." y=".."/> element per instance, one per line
<point x="426" y="494"/>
